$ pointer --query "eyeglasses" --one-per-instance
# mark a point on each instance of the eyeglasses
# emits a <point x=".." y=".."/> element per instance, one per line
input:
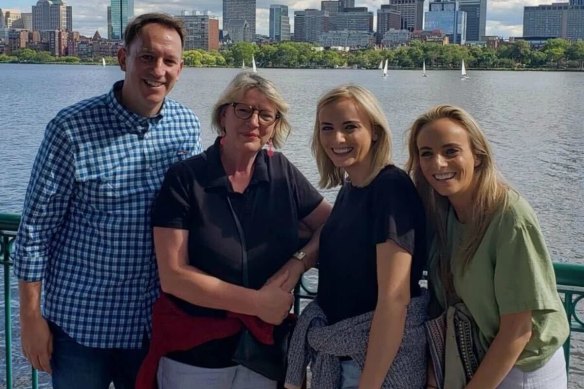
<point x="244" y="111"/>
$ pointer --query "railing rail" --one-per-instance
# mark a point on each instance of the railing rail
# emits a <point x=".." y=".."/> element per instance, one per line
<point x="570" y="279"/>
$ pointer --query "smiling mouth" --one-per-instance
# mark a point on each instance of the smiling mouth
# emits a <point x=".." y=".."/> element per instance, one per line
<point x="153" y="84"/>
<point x="341" y="150"/>
<point x="444" y="176"/>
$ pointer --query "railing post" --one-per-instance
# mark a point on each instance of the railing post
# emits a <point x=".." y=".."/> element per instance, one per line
<point x="7" y="309"/>
<point x="569" y="307"/>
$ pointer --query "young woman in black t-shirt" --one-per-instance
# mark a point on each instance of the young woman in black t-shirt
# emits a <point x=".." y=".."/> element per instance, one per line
<point x="372" y="247"/>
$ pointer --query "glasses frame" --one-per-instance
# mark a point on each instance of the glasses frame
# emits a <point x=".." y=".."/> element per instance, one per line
<point x="253" y="110"/>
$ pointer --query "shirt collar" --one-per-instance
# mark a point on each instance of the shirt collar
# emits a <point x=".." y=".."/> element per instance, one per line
<point x="132" y="122"/>
<point x="217" y="178"/>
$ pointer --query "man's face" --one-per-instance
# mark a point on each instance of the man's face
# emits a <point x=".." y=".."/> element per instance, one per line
<point x="152" y="62"/>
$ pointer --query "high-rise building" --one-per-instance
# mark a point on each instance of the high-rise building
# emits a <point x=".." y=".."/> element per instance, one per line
<point x="27" y="20"/>
<point x="1" y="19"/>
<point x="239" y="20"/>
<point x="11" y="18"/>
<point x="351" y="19"/>
<point x="347" y="4"/>
<point x="279" y="23"/>
<point x="331" y="6"/>
<point x="310" y="24"/>
<point x="52" y="15"/>
<point x="120" y="12"/>
<point x="412" y="13"/>
<point x="110" y="30"/>
<point x="476" y="18"/>
<point x="201" y="32"/>
<point x="387" y="18"/>
<point x="558" y="20"/>
<point x="447" y="17"/>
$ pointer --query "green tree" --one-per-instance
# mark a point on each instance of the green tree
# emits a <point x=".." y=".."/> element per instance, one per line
<point x="44" y="57"/>
<point x="69" y="59"/>
<point x="26" y="55"/>
<point x="555" y="50"/>
<point x="576" y="52"/>
<point x="286" y="56"/>
<point x="242" y="51"/>
<point x="537" y="59"/>
<point x="8" y="58"/>
<point x="520" y="52"/>
<point x="193" y="58"/>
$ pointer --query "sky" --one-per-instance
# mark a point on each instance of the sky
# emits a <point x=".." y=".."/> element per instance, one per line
<point x="504" y="17"/>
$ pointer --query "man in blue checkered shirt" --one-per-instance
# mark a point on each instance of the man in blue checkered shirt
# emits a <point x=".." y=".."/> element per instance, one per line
<point x="85" y="235"/>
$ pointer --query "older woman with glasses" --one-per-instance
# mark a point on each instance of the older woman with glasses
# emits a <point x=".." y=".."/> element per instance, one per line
<point x="226" y="233"/>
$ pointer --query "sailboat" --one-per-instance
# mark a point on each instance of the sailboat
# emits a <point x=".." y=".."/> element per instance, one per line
<point x="424" y="69"/>
<point x="380" y="65"/>
<point x="243" y="64"/>
<point x="463" y="75"/>
<point x="102" y="61"/>
<point x="385" y="69"/>
<point x="253" y="65"/>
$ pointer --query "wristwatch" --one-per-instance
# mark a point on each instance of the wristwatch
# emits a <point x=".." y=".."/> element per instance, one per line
<point x="300" y="255"/>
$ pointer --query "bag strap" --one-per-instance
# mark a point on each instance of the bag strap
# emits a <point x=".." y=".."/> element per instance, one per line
<point x="243" y="245"/>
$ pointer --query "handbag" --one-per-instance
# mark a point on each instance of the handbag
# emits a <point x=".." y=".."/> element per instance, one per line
<point x="269" y="360"/>
<point x="455" y="347"/>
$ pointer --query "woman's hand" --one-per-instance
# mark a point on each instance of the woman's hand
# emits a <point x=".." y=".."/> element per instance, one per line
<point x="273" y="301"/>
<point x="514" y="334"/>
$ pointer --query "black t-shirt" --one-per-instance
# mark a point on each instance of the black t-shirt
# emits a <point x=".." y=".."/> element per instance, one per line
<point x="194" y="197"/>
<point x="388" y="208"/>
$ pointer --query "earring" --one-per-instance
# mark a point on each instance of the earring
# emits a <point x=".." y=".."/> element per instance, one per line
<point x="270" y="148"/>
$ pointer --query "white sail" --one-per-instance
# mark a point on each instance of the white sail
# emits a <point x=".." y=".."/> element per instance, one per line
<point x="463" y="74"/>
<point x="253" y="64"/>
<point x="102" y="61"/>
<point x="424" y="69"/>
<point x="243" y="64"/>
<point x="385" y="69"/>
<point x="381" y="65"/>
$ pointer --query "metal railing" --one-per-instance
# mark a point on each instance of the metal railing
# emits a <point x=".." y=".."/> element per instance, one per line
<point x="570" y="279"/>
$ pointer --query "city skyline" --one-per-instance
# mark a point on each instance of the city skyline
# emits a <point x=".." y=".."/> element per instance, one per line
<point x="504" y="17"/>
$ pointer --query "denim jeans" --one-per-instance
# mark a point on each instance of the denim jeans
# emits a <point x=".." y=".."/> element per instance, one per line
<point x="77" y="366"/>
<point x="350" y="375"/>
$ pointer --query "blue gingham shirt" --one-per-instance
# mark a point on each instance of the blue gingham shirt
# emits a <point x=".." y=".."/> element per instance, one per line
<point x="85" y="229"/>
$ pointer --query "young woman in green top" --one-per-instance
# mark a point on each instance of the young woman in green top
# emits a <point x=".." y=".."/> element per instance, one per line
<point x="488" y="250"/>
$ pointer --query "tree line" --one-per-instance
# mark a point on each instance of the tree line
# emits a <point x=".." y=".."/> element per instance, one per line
<point x="553" y="54"/>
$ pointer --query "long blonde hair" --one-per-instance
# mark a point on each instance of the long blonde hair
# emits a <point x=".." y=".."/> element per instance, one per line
<point x="330" y="175"/>
<point x="490" y="190"/>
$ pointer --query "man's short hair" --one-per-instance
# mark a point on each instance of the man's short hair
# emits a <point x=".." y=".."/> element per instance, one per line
<point x="133" y="28"/>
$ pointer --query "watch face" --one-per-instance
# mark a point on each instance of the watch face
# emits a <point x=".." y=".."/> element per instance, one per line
<point x="300" y="255"/>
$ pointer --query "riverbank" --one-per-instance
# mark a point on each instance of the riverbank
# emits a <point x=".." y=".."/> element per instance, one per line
<point x="429" y="69"/>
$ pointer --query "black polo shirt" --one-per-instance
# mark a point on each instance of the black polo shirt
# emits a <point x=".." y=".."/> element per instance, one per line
<point x="194" y="197"/>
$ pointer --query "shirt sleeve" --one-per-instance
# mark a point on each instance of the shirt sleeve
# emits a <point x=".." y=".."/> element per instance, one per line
<point x="46" y="203"/>
<point x="524" y="274"/>
<point x="394" y="212"/>
<point x="172" y="206"/>
<point x="306" y="196"/>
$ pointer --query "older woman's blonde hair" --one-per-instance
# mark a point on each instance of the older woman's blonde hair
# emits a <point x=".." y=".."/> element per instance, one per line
<point x="490" y="190"/>
<point x="243" y="82"/>
<point x="365" y="101"/>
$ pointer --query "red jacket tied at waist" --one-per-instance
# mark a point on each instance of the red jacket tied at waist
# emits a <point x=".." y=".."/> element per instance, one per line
<point x="175" y="330"/>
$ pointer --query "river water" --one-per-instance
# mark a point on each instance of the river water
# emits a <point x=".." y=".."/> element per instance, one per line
<point x="534" y="121"/>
